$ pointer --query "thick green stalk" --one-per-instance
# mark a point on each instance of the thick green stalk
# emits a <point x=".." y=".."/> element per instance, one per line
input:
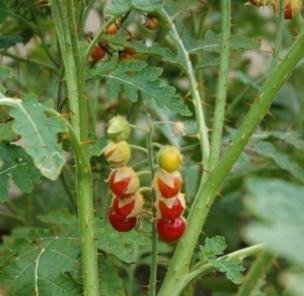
<point x="197" y="100"/>
<point x="65" y="24"/>
<point x="257" y="271"/>
<point x="207" y="192"/>
<point x="153" y="268"/>
<point x="220" y="103"/>
<point x="208" y="267"/>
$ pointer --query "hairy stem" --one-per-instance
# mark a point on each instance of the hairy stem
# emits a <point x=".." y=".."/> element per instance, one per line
<point x="219" y="114"/>
<point x="255" y="274"/>
<point x="179" y="265"/>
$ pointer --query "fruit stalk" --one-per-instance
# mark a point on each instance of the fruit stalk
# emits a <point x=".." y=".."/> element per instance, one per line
<point x="153" y="269"/>
<point x="180" y="262"/>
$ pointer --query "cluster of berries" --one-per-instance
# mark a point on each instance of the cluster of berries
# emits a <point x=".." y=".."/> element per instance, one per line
<point x="99" y="51"/>
<point x="170" y="202"/>
<point x="291" y="9"/>
<point x="127" y="202"/>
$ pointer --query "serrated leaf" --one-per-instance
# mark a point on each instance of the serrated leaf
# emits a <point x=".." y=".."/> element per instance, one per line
<point x="41" y="266"/>
<point x="6" y="132"/>
<point x="213" y="247"/>
<point x="280" y="206"/>
<point x="15" y="164"/>
<point x="135" y="77"/>
<point x="39" y="133"/>
<point x="95" y="149"/>
<point x="231" y="267"/>
<point x="108" y="238"/>
<point x="147" y="5"/>
<point x="281" y="158"/>
<point x="111" y="282"/>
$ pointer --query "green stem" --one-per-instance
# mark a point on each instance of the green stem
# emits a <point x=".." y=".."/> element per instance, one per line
<point x="153" y="269"/>
<point x="300" y="22"/>
<point x="65" y="25"/>
<point x="208" y="267"/>
<point x="178" y="268"/>
<point x="257" y="271"/>
<point x="139" y="148"/>
<point x="219" y="115"/>
<point x="197" y="100"/>
<point x="279" y="35"/>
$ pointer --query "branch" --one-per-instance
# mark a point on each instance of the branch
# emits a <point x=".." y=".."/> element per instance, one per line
<point x="180" y="262"/>
<point x="219" y="115"/>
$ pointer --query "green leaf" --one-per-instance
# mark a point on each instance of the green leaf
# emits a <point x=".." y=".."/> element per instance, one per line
<point x="5" y="74"/>
<point x="119" y="7"/>
<point x="103" y="68"/>
<point x="282" y="159"/>
<point x="213" y="247"/>
<point x="9" y="40"/>
<point x="6" y="132"/>
<point x="147" y="5"/>
<point x="108" y="239"/>
<point x="96" y="148"/>
<point x="135" y="77"/>
<point x="111" y="283"/>
<point x="42" y="266"/>
<point x="280" y="206"/>
<point x="38" y="130"/>
<point x="232" y="268"/>
<point x="15" y="164"/>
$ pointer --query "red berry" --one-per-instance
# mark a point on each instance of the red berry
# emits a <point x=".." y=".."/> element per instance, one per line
<point x="123" y="208"/>
<point x="123" y="182"/>
<point x="120" y="223"/>
<point x="98" y="53"/>
<point x="128" y="53"/>
<point x="166" y="184"/>
<point x="171" y="208"/>
<point x="112" y="29"/>
<point x="171" y="230"/>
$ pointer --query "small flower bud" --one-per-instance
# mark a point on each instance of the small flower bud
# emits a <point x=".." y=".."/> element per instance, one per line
<point x="119" y="129"/>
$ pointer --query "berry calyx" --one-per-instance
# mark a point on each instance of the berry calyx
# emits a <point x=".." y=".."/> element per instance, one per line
<point x="123" y="182"/>
<point x="119" y="129"/>
<point x="121" y="224"/>
<point x="171" y="231"/>
<point x="117" y="153"/>
<point x="169" y="158"/>
<point x="128" y="207"/>
<point x="171" y="208"/>
<point x="167" y="184"/>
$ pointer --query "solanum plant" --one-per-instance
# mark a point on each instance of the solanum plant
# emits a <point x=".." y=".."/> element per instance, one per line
<point x="117" y="138"/>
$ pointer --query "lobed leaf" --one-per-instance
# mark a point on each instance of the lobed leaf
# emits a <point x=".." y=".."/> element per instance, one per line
<point x="280" y="207"/>
<point x="38" y="130"/>
<point x="213" y="247"/>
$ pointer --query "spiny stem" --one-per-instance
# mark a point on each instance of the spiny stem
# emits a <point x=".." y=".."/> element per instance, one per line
<point x="153" y="269"/>
<point x="197" y="100"/>
<point x="257" y="271"/>
<point x="220" y="104"/>
<point x="207" y="192"/>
